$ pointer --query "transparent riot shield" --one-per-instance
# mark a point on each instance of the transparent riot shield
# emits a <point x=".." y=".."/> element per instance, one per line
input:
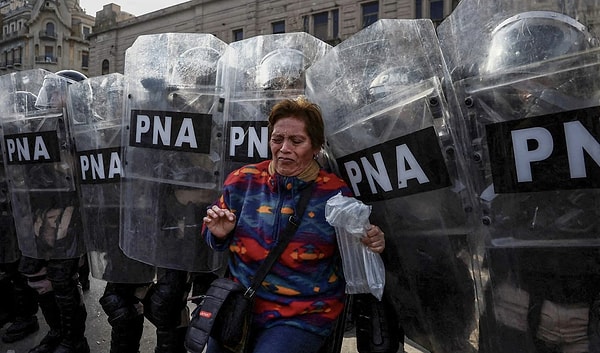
<point x="95" y="109"/>
<point x="172" y="141"/>
<point x="261" y="71"/>
<point x="530" y="96"/>
<point x="9" y="245"/>
<point x="387" y="121"/>
<point x="39" y="165"/>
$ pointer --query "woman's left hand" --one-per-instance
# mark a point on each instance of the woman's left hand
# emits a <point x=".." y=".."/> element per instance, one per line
<point x="375" y="239"/>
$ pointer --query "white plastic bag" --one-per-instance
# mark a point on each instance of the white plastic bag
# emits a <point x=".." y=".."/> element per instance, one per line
<point x="364" y="269"/>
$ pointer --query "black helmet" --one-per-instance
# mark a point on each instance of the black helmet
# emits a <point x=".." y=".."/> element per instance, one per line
<point x="282" y="69"/>
<point x="72" y="75"/>
<point x="535" y="36"/>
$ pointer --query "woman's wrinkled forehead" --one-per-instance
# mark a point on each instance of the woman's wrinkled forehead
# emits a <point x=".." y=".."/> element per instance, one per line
<point x="289" y="126"/>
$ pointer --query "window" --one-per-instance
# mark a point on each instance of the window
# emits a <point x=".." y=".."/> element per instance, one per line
<point x="105" y="67"/>
<point x="48" y="54"/>
<point x="323" y="25"/>
<point x="278" y="27"/>
<point x="336" y="23"/>
<point x="18" y="54"/>
<point x="436" y="10"/>
<point x="85" y="59"/>
<point x="50" y="29"/>
<point x="86" y="32"/>
<point x="238" y="34"/>
<point x="418" y="8"/>
<point x="320" y="22"/>
<point x="370" y="13"/>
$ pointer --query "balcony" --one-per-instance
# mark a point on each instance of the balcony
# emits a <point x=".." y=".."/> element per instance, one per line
<point x="48" y="59"/>
<point x="48" y="35"/>
<point x="14" y="35"/>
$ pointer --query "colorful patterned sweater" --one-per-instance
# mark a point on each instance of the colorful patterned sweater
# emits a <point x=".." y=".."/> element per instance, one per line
<point x="305" y="287"/>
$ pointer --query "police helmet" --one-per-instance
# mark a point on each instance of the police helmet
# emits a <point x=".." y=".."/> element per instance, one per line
<point x="54" y="88"/>
<point x="72" y="75"/>
<point x="535" y="36"/>
<point x="392" y="80"/>
<point x="282" y="69"/>
<point x="195" y="66"/>
<point x="193" y="79"/>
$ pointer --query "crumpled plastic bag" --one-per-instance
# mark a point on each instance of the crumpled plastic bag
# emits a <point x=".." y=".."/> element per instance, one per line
<point x="364" y="269"/>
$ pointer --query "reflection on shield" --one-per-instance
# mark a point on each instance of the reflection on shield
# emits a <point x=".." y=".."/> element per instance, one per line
<point x="56" y="223"/>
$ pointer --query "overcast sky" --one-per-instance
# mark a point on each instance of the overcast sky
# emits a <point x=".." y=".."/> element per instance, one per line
<point x="135" y="7"/>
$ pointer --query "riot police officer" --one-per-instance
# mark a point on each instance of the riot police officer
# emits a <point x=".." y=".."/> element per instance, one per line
<point x="95" y="121"/>
<point x="386" y="109"/>
<point x="530" y="94"/>
<point x="45" y="206"/>
<point x="18" y="301"/>
<point x="172" y="142"/>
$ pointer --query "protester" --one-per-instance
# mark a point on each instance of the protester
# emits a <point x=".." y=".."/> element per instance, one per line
<point x="303" y="294"/>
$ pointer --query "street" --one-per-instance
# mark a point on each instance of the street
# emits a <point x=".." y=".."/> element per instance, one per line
<point x="98" y="330"/>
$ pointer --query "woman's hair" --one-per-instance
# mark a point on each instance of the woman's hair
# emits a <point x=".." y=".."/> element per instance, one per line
<point x="301" y="108"/>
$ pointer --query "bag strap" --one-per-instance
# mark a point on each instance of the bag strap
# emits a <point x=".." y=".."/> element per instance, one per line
<point x="284" y="239"/>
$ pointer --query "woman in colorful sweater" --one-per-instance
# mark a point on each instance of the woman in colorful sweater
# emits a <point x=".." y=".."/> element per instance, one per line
<point x="303" y="293"/>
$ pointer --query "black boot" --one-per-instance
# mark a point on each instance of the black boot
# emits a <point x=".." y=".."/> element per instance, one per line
<point x="125" y="337"/>
<point x="170" y="341"/>
<point x="73" y="315"/>
<point x="48" y="344"/>
<point x="26" y="307"/>
<point x="7" y="301"/>
<point x="20" y="328"/>
<point x="51" y="314"/>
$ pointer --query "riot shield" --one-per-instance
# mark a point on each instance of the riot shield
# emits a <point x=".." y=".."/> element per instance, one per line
<point x="261" y="71"/>
<point x="387" y="124"/>
<point x="39" y="165"/>
<point x="172" y="148"/>
<point x="530" y="96"/>
<point x="9" y="246"/>
<point x="95" y="108"/>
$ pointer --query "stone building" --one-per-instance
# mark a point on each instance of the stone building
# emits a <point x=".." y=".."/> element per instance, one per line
<point x="232" y="20"/>
<point x="47" y="34"/>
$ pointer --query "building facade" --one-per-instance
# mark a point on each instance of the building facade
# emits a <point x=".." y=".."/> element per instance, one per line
<point x="47" y="34"/>
<point x="232" y="20"/>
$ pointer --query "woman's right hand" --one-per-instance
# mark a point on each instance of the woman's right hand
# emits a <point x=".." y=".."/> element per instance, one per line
<point x="219" y="221"/>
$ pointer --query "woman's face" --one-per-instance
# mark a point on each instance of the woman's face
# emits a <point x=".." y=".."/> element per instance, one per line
<point x="291" y="147"/>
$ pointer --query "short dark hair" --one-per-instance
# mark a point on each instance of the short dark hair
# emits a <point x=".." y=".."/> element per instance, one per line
<point x="304" y="110"/>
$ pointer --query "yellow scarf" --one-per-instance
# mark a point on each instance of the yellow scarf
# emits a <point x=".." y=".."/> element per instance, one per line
<point x="309" y="174"/>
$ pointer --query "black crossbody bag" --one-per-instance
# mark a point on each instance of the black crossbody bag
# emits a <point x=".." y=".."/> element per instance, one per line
<point x="225" y="313"/>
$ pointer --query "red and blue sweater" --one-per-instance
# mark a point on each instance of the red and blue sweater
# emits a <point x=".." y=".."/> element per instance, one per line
<point x="305" y="287"/>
